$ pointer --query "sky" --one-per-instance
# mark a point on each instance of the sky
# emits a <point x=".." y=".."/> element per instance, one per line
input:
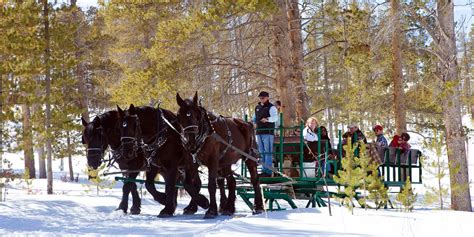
<point x="463" y="11"/>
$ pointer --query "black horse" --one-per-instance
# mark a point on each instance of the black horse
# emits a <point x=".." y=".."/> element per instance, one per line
<point x="163" y="150"/>
<point x="104" y="131"/>
<point x="199" y="131"/>
<point x="100" y="134"/>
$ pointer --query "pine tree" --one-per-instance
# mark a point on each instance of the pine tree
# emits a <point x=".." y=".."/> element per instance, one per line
<point x="20" y="56"/>
<point x="437" y="168"/>
<point x="406" y="197"/>
<point x="28" y="181"/>
<point x="98" y="183"/>
<point x="378" y="192"/>
<point x="371" y="181"/>
<point x="441" y="28"/>
<point x="350" y="176"/>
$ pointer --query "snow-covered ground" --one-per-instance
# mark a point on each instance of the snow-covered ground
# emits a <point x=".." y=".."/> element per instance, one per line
<point x="74" y="210"/>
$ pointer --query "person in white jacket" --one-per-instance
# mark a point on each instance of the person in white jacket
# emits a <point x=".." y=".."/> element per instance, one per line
<point x="310" y="132"/>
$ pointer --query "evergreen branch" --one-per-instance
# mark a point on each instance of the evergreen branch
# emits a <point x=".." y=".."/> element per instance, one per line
<point x="324" y="46"/>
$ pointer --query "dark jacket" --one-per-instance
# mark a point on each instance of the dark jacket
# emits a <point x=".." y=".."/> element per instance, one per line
<point x="263" y="111"/>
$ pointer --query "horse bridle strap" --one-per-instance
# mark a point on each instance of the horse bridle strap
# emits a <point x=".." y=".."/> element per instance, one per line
<point x="172" y="127"/>
<point x="137" y="139"/>
<point x="94" y="149"/>
<point x="202" y="136"/>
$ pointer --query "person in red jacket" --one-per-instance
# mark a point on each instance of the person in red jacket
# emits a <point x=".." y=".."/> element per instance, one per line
<point x="401" y="142"/>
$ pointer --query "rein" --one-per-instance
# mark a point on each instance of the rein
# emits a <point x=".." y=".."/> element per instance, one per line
<point x="221" y="140"/>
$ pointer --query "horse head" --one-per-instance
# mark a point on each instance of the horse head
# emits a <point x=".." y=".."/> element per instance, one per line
<point x="95" y="140"/>
<point x="193" y="121"/>
<point x="130" y="132"/>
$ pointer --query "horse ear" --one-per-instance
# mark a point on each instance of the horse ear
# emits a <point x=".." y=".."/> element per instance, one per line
<point x="131" y="109"/>
<point x="179" y="100"/>
<point x="97" y="121"/>
<point x="195" y="99"/>
<point x="120" y="112"/>
<point x="84" y="122"/>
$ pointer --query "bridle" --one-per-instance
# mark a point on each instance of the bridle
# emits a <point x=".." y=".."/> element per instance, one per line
<point x="136" y="141"/>
<point x="93" y="152"/>
<point x="201" y="131"/>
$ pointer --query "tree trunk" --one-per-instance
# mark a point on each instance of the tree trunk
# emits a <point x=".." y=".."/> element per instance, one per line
<point x="451" y="105"/>
<point x="282" y="63"/>
<point x="39" y="135"/>
<point x="42" y="161"/>
<point x="297" y="57"/>
<point x="467" y="79"/>
<point x="1" y="124"/>
<point x="327" y="96"/>
<point x="69" y="156"/>
<point x="28" y="142"/>
<point x="49" y="159"/>
<point x="399" y="107"/>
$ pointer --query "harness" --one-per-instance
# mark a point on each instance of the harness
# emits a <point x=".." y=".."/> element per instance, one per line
<point x="160" y="140"/>
<point x="201" y="133"/>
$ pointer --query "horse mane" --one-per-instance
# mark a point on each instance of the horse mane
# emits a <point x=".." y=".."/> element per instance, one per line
<point x="108" y="119"/>
<point x="145" y="109"/>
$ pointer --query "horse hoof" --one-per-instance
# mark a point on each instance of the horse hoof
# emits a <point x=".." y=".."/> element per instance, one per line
<point x="135" y="211"/>
<point x="121" y="209"/>
<point x="166" y="215"/>
<point x="227" y="213"/>
<point x="189" y="210"/>
<point x="257" y="212"/>
<point x="210" y="216"/>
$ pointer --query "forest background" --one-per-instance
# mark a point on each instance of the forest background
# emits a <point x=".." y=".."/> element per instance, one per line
<point x="404" y="64"/>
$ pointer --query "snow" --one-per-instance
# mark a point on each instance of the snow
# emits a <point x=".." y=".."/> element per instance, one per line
<point x="79" y="213"/>
<point x="73" y="210"/>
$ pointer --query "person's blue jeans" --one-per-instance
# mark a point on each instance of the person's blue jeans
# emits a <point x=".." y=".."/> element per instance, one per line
<point x="265" y="147"/>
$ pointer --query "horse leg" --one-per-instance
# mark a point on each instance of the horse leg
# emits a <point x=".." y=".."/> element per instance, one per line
<point x="150" y="186"/>
<point x="258" y="201"/>
<point x="192" y="185"/>
<point x="135" y="209"/>
<point x="125" y="191"/>
<point x="170" y="190"/>
<point x="229" y="209"/>
<point x="212" y="211"/>
<point x="223" y="200"/>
